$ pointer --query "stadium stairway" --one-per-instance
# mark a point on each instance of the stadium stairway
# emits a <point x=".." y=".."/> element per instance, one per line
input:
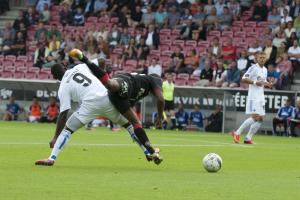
<point x="296" y="83"/>
<point x="10" y="16"/>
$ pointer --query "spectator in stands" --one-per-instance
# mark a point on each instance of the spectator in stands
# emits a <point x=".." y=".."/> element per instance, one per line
<point x="211" y="21"/>
<point x="142" y="49"/>
<point x="295" y="120"/>
<point x="54" y="31"/>
<point x="19" y="45"/>
<point x="40" y="55"/>
<point x="260" y="12"/>
<point x="187" y="30"/>
<point x="219" y="5"/>
<point x="7" y="44"/>
<point x="65" y="15"/>
<point x="45" y="14"/>
<point x="182" y="117"/>
<point x="215" y="47"/>
<point x="103" y="32"/>
<point x="296" y="25"/>
<point x="78" y="18"/>
<point x="280" y="51"/>
<point x="208" y="7"/>
<point x="234" y="8"/>
<point x="233" y="76"/>
<point x="155" y="67"/>
<point x="173" y="17"/>
<point x="284" y="114"/>
<point x="199" y="15"/>
<point x="228" y="51"/>
<point x="200" y="31"/>
<point x="35" y="111"/>
<point x="30" y="16"/>
<point x="160" y="15"/>
<point x="51" y="112"/>
<point x="274" y="77"/>
<point x="12" y="110"/>
<point x="215" y="120"/>
<point x="294" y="55"/>
<point x="254" y="48"/>
<point x="103" y="47"/>
<point x="289" y="29"/>
<point x="9" y="30"/>
<point x="147" y="17"/>
<point x="279" y="38"/>
<point x="245" y="5"/>
<point x="191" y="62"/>
<point x="68" y="42"/>
<point x="206" y="75"/>
<point x="54" y="43"/>
<point x="295" y="9"/>
<point x="41" y="30"/>
<point x="125" y="37"/>
<point x="130" y="51"/>
<point x="286" y="18"/>
<point x="177" y="61"/>
<point x="225" y="19"/>
<point x="186" y="15"/>
<point x="41" y="5"/>
<point x="99" y="6"/>
<point x="152" y="37"/>
<point x="219" y="74"/>
<point x="243" y="62"/>
<point x="196" y="117"/>
<point x="285" y="69"/>
<point x="136" y="15"/>
<point x="270" y="52"/>
<point x="114" y="36"/>
<point x="291" y="39"/>
<point x="21" y="19"/>
<point x="274" y="18"/>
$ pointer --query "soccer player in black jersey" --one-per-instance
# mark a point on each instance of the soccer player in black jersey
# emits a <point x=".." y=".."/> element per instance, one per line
<point x="124" y="91"/>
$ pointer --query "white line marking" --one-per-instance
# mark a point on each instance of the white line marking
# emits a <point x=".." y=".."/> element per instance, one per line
<point x="127" y="145"/>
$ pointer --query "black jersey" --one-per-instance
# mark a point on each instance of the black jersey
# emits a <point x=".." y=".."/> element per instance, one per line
<point x="133" y="87"/>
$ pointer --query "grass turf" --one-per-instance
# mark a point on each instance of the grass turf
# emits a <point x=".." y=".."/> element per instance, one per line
<point x="100" y="164"/>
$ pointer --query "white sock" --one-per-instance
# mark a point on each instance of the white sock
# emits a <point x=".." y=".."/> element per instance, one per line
<point x="61" y="141"/>
<point x="248" y="122"/>
<point x="130" y="130"/>
<point x="253" y="129"/>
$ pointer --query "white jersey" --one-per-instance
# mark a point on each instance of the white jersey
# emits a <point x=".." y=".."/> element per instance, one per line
<point x="78" y="85"/>
<point x="256" y="73"/>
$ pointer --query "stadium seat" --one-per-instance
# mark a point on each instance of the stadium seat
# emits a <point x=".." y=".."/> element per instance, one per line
<point x="236" y="28"/>
<point x="252" y="34"/>
<point x="164" y="58"/>
<point x="10" y="58"/>
<point x="114" y="20"/>
<point x="43" y="76"/>
<point x="7" y="64"/>
<point x="19" y="75"/>
<point x="132" y="63"/>
<point x="1" y="58"/>
<point x="178" y="42"/>
<point x="92" y="19"/>
<point x="167" y="53"/>
<point x="163" y="37"/>
<point x="250" y="24"/>
<point x="104" y="20"/>
<point x="240" y="34"/>
<point x="238" y="23"/>
<point x="215" y="33"/>
<point x="34" y="69"/>
<point x="167" y="42"/>
<point x="31" y="75"/>
<point x="176" y="32"/>
<point x="118" y="51"/>
<point x="250" y="40"/>
<point x="165" y="32"/>
<point x="227" y="34"/>
<point x="22" y="58"/>
<point x="164" y="47"/>
<point x="249" y="29"/>
<point x="203" y="43"/>
<point x="5" y="74"/>
<point x="193" y="80"/>
<point x="155" y="53"/>
<point x="191" y="43"/>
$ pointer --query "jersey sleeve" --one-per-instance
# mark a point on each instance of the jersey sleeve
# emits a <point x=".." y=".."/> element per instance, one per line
<point x="249" y="73"/>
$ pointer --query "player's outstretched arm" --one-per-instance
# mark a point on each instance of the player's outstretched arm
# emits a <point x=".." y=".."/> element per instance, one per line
<point x="61" y="122"/>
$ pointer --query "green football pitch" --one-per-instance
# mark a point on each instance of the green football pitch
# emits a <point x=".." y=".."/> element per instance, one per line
<point x="101" y="164"/>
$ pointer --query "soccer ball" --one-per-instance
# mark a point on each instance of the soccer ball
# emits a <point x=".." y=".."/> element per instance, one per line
<point x="212" y="162"/>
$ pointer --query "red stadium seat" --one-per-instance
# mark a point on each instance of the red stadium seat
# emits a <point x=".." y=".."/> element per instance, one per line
<point x="250" y="40"/>
<point x="240" y="34"/>
<point x="236" y="28"/>
<point x="6" y="74"/>
<point x="238" y="23"/>
<point x="192" y="43"/>
<point x="104" y="20"/>
<point x="165" y="32"/>
<point x="31" y="75"/>
<point x="118" y="51"/>
<point x="250" y="24"/>
<point x="252" y="34"/>
<point x="227" y="34"/>
<point x="92" y="20"/>
<point x="249" y="29"/>
<point x="114" y="20"/>
<point x="167" y="53"/>
<point x="167" y="42"/>
<point x="1" y="58"/>
<point x="155" y="53"/>
<point x="43" y="76"/>
<point x="11" y="58"/>
<point x="163" y="37"/>
<point x="34" y="69"/>
<point x="193" y="80"/>
<point x="180" y="82"/>
<point x="164" y="47"/>
<point x="21" y="69"/>
<point x="19" y="75"/>
<point x="178" y="42"/>
<point x="204" y="43"/>
<point x="132" y="63"/>
<point x="176" y="32"/>
<point x="22" y="58"/>
<point x="215" y="33"/>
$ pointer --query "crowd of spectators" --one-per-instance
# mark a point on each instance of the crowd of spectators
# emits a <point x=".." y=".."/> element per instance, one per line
<point x="137" y="35"/>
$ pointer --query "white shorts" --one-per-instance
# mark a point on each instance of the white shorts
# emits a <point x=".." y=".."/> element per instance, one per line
<point x="102" y="107"/>
<point x="255" y="107"/>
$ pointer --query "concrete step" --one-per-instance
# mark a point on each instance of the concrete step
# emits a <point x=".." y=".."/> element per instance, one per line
<point x="295" y="87"/>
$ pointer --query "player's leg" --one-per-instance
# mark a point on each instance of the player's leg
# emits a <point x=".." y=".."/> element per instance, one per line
<point x="275" y="122"/>
<point x="285" y="125"/>
<point x="253" y="128"/>
<point x="72" y="125"/>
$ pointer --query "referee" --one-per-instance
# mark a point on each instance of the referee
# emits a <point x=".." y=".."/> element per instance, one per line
<point x="168" y="93"/>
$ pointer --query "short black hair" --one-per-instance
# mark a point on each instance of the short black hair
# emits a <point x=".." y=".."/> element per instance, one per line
<point x="58" y="71"/>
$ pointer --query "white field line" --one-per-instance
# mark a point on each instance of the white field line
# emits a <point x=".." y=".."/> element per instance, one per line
<point x="126" y="145"/>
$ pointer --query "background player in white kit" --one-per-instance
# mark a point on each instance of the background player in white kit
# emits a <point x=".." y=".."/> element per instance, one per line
<point x="256" y="77"/>
<point x="80" y="85"/>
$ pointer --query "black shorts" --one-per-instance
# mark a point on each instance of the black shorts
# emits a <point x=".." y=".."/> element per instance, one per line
<point x="169" y="105"/>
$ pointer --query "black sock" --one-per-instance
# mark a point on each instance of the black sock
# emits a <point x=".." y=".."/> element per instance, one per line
<point x="141" y="135"/>
<point x="173" y="123"/>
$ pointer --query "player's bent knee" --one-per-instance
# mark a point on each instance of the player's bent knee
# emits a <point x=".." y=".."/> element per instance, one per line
<point x="73" y="123"/>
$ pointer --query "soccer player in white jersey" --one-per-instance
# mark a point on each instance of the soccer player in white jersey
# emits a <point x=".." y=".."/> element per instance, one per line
<point x="80" y="85"/>
<point x="256" y="77"/>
